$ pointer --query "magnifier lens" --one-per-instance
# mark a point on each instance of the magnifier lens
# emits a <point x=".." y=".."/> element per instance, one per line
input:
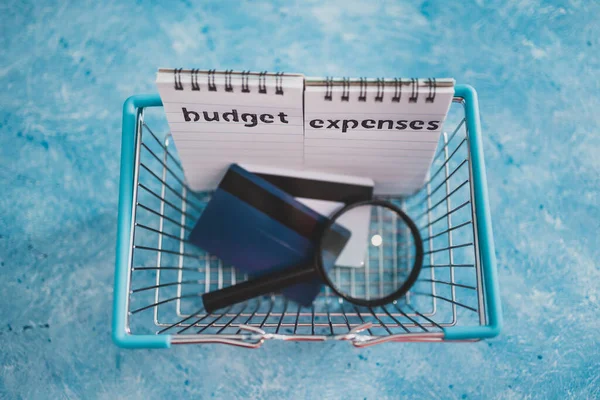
<point x="371" y="253"/>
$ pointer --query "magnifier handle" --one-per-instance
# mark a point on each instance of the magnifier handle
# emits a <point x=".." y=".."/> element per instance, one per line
<point x="258" y="286"/>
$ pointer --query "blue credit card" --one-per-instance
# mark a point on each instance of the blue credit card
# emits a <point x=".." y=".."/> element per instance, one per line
<point x="258" y="228"/>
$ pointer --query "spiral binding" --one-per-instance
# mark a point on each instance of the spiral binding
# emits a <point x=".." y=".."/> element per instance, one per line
<point x="381" y="84"/>
<point x="346" y="89"/>
<point x="414" y="87"/>
<point x="397" y="90"/>
<point x="245" y="86"/>
<point x="177" y="78"/>
<point x="328" y="88"/>
<point x="262" y="84"/>
<point x="380" y="90"/>
<point x="212" y="87"/>
<point x="362" y="96"/>
<point x="279" y="83"/>
<point x="432" y="89"/>
<point x="228" y="86"/>
<point x="194" y="78"/>
<point x="346" y="83"/>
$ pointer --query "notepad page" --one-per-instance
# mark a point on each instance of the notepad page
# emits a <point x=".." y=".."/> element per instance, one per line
<point x="218" y="118"/>
<point x="375" y="130"/>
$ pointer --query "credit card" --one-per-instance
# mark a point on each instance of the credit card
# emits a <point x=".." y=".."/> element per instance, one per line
<point x="257" y="227"/>
<point x="326" y="193"/>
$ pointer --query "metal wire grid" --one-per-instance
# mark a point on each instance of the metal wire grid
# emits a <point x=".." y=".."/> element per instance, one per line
<point x="168" y="275"/>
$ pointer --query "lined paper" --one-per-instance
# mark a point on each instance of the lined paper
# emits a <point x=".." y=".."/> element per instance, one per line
<point x="394" y="154"/>
<point x="384" y="131"/>
<point x="207" y="148"/>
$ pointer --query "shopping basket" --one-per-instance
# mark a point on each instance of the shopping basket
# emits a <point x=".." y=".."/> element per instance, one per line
<point x="160" y="277"/>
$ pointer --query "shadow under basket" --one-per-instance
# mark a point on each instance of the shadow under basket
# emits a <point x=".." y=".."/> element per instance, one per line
<point x="160" y="278"/>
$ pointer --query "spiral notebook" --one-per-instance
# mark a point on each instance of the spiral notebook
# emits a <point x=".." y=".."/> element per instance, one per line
<point x="384" y="129"/>
<point x="219" y="118"/>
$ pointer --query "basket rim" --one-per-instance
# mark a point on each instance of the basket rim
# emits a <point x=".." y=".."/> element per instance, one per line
<point x="121" y="335"/>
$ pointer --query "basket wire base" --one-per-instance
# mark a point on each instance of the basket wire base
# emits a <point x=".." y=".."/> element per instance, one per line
<point x="168" y="275"/>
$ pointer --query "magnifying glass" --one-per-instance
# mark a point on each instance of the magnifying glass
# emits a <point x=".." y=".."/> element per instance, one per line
<point x="393" y="256"/>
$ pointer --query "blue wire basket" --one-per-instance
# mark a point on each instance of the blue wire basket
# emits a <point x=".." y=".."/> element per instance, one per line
<point x="160" y="277"/>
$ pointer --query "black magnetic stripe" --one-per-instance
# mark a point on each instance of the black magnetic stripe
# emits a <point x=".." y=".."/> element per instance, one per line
<point x="271" y="205"/>
<point x="311" y="189"/>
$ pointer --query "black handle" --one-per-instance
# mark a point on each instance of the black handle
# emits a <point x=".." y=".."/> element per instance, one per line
<point x="258" y="286"/>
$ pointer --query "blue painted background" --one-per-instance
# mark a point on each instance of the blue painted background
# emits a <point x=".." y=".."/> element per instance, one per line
<point x="65" y="70"/>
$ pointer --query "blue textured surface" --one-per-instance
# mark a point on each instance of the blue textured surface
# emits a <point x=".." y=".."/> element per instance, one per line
<point x="66" y="69"/>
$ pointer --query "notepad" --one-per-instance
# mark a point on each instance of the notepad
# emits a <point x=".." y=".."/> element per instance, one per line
<point x="220" y="117"/>
<point x="384" y="129"/>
